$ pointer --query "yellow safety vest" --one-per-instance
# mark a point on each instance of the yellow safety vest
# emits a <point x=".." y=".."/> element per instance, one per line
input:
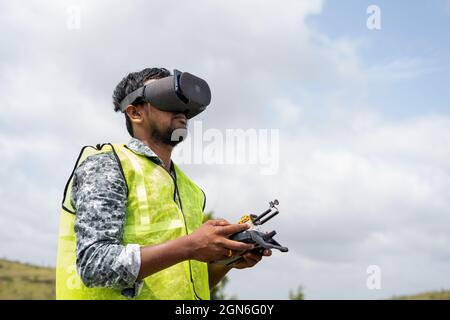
<point x="159" y="208"/>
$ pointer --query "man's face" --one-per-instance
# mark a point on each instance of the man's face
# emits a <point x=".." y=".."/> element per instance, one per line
<point x="162" y="124"/>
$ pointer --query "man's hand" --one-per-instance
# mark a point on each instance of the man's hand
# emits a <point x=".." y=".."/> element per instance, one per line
<point x="210" y="242"/>
<point x="251" y="259"/>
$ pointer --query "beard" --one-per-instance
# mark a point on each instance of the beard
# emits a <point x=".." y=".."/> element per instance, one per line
<point x="169" y="136"/>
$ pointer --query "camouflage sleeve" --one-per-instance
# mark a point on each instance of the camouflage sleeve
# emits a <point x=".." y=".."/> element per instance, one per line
<point x="99" y="196"/>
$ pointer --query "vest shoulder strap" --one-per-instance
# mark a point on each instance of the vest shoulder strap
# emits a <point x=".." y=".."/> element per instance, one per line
<point x="85" y="152"/>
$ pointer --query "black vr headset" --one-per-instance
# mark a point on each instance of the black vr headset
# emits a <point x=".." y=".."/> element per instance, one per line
<point x="182" y="92"/>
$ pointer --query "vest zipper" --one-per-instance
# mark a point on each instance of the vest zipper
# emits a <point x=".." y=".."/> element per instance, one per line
<point x="176" y="196"/>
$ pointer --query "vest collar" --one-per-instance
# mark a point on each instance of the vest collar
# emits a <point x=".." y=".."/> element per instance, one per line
<point x="141" y="148"/>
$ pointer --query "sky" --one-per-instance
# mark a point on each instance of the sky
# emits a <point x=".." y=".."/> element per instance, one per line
<point x="360" y="116"/>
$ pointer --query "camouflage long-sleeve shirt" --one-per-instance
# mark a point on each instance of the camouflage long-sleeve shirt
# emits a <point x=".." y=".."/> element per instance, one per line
<point x="99" y="196"/>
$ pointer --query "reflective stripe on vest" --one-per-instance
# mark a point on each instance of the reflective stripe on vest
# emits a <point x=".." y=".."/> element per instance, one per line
<point x="153" y="216"/>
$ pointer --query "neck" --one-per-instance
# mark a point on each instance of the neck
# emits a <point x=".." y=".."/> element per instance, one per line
<point x="163" y="151"/>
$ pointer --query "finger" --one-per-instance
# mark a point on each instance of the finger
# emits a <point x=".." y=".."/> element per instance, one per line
<point x="222" y="222"/>
<point x="233" y="228"/>
<point x="236" y="245"/>
<point x="225" y="253"/>
<point x="267" y="252"/>
<point x="253" y="256"/>
<point x="250" y="262"/>
<point x="218" y="222"/>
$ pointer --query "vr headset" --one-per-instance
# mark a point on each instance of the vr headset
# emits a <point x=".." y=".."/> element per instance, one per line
<point x="182" y="93"/>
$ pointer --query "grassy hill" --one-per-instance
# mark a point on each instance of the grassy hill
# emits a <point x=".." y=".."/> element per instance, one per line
<point x="433" y="295"/>
<point x="25" y="281"/>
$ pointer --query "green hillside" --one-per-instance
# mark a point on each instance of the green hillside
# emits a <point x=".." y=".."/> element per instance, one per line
<point x="433" y="295"/>
<point x="24" y="281"/>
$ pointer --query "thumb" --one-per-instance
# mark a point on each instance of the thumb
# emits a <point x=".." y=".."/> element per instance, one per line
<point x="218" y="222"/>
<point x="233" y="228"/>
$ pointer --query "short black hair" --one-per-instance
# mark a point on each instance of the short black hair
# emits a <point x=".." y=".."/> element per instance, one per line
<point x="134" y="81"/>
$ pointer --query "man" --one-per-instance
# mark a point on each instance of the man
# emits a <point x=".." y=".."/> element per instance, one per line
<point x="131" y="224"/>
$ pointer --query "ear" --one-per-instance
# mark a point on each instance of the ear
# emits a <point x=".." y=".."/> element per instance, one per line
<point x="135" y="113"/>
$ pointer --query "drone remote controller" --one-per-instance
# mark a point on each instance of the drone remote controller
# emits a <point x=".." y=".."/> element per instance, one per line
<point x="262" y="240"/>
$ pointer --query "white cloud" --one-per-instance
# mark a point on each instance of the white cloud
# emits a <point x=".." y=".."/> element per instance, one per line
<point x="289" y="112"/>
<point x="402" y="69"/>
